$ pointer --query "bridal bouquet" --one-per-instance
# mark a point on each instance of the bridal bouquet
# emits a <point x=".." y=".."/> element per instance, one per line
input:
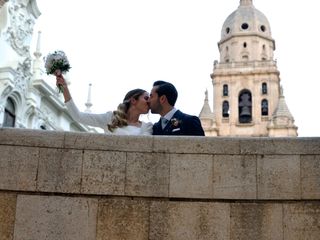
<point x="57" y="63"/>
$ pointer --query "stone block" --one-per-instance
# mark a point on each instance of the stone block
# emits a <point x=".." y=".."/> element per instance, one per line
<point x="31" y="137"/>
<point x="252" y="221"/>
<point x="59" y="170"/>
<point x="18" y="168"/>
<point x="120" y="219"/>
<point x="255" y="145"/>
<point x="55" y="217"/>
<point x="302" y="221"/>
<point x="196" y="144"/>
<point x="234" y="177"/>
<point x="147" y="174"/>
<point x="288" y="145"/>
<point x="101" y="141"/>
<point x="7" y="215"/>
<point x="103" y="172"/>
<point x="310" y="176"/>
<point x="278" y="177"/>
<point x="189" y="221"/>
<point x="191" y="176"/>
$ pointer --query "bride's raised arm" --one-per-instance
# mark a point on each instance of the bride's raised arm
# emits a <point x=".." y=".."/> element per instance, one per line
<point x="92" y="119"/>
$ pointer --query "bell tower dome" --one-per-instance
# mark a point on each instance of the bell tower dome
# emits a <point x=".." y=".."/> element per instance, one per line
<point x="246" y="35"/>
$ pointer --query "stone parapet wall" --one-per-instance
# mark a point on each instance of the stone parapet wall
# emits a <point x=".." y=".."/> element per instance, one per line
<point x="62" y="185"/>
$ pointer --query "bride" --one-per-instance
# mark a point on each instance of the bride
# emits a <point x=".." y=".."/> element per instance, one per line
<point x="123" y="121"/>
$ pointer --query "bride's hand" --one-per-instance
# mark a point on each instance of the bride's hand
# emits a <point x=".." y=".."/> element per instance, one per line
<point x="60" y="81"/>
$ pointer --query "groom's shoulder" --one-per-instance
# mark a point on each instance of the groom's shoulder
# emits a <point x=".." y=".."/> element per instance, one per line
<point x="186" y="115"/>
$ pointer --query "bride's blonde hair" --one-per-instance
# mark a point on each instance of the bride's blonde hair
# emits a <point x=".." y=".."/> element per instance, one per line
<point x="119" y="118"/>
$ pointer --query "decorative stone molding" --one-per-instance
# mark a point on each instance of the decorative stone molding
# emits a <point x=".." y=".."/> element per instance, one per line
<point x="23" y="75"/>
<point x="19" y="32"/>
<point x="47" y="115"/>
<point x="7" y="90"/>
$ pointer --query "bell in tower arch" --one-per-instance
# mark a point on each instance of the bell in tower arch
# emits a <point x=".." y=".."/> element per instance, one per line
<point x="245" y="112"/>
<point x="245" y="107"/>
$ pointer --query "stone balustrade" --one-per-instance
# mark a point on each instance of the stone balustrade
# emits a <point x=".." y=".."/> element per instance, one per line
<point x="63" y="185"/>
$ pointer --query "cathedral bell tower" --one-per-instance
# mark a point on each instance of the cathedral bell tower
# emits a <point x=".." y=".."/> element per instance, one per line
<point x="246" y="80"/>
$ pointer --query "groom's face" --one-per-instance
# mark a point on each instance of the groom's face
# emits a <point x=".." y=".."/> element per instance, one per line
<point x="154" y="101"/>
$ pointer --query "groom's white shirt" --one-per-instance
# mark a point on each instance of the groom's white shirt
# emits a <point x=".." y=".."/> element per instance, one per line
<point x="169" y="115"/>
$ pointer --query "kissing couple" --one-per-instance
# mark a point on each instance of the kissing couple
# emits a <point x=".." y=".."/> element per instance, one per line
<point x="125" y="120"/>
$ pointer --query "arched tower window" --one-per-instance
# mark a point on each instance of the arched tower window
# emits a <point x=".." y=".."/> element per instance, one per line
<point x="264" y="107"/>
<point x="225" y="90"/>
<point x="245" y="106"/>
<point x="225" y="109"/>
<point x="9" y="114"/>
<point x="244" y="45"/>
<point x="245" y="57"/>
<point x="264" y="88"/>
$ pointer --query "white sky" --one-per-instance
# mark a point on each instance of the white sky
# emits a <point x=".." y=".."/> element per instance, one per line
<point x="118" y="45"/>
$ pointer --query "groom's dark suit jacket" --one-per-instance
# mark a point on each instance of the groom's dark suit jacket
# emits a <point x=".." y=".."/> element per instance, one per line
<point x="180" y="124"/>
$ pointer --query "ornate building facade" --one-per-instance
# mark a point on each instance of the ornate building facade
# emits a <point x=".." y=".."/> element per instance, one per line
<point x="248" y="98"/>
<point x="26" y="100"/>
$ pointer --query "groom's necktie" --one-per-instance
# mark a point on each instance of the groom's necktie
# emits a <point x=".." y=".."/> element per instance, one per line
<point x="164" y="122"/>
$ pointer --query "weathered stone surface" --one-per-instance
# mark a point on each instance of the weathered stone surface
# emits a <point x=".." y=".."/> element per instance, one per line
<point x="302" y="221"/>
<point x="278" y="177"/>
<point x="279" y="146"/>
<point x="234" y="177"/>
<point x="31" y="137"/>
<point x="251" y="221"/>
<point x="120" y="219"/>
<point x="108" y="142"/>
<point x="159" y="220"/>
<point x="147" y="174"/>
<point x="189" y="221"/>
<point x="191" y="176"/>
<point x="310" y="176"/>
<point x="7" y="215"/>
<point x="196" y="144"/>
<point x="103" y="172"/>
<point x="18" y="168"/>
<point x="59" y="170"/>
<point x="53" y="217"/>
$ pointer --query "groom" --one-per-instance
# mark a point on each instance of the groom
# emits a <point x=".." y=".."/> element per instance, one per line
<point x="163" y="96"/>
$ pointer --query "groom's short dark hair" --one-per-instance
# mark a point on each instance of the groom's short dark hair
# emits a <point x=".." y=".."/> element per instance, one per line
<point x="167" y="89"/>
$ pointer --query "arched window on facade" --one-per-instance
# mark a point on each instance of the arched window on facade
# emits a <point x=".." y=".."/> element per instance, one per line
<point x="264" y="107"/>
<point x="264" y="88"/>
<point x="9" y="114"/>
<point x="245" y="106"/>
<point x="225" y="90"/>
<point x="225" y="109"/>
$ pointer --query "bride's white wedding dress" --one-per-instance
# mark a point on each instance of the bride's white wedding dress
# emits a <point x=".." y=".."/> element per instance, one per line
<point x="101" y="121"/>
